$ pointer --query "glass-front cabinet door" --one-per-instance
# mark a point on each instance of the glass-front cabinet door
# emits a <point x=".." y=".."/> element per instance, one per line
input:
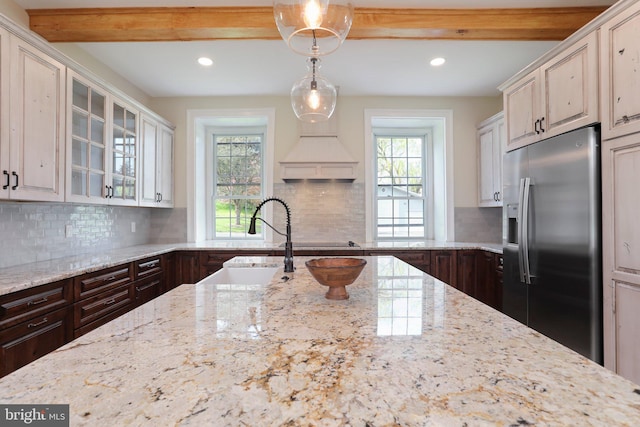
<point x="122" y="187"/>
<point x="87" y="154"/>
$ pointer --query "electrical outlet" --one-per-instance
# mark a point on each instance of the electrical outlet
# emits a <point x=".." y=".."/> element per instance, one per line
<point x="133" y="227"/>
<point x="68" y="231"/>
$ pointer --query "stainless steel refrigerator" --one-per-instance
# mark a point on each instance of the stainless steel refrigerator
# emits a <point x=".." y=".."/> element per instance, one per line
<point x="552" y="239"/>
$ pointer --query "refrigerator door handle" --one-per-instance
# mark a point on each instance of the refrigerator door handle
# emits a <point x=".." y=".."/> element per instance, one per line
<point x="526" y="186"/>
<point x="519" y="230"/>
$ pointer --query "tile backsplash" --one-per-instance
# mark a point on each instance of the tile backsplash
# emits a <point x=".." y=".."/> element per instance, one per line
<point x="31" y="232"/>
<point x="326" y="211"/>
<point x="478" y="225"/>
<point x="323" y="211"/>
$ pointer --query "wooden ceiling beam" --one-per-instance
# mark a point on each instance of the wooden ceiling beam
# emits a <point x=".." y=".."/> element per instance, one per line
<point x="219" y="23"/>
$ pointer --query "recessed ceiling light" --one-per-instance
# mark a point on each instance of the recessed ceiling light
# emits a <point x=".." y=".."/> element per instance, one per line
<point x="436" y="62"/>
<point x="205" y="62"/>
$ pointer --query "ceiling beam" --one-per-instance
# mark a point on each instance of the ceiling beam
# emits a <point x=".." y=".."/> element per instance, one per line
<point x="217" y="23"/>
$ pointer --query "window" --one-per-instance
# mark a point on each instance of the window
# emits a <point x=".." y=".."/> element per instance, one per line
<point x="402" y="159"/>
<point x="385" y="215"/>
<point x="236" y="181"/>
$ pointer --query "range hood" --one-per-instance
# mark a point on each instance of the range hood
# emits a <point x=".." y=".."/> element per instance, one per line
<point x="318" y="154"/>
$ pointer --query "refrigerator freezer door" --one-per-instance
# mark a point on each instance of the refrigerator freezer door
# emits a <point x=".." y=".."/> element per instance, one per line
<point x="564" y="298"/>
<point x="514" y="296"/>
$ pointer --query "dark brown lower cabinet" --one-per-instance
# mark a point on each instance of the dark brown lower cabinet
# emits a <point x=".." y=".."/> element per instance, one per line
<point x="480" y="276"/>
<point x="34" y="322"/>
<point x="187" y="267"/>
<point x="169" y="273"/>
<point x="467" y="266"/>
<point x="444" y="266"/>
<point x="149" y="278"/>
<point x="498" y="266"/>
<point x="485" y="291"/>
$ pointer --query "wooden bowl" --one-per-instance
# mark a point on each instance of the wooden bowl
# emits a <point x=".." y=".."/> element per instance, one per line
<point x="336" y="273"/>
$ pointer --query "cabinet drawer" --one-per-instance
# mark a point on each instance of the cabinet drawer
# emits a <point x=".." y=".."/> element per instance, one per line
<point x="33" y="339"/>
<point x="148" y="267"/>
<point x="148" y="288"/>
<point x="100" y="281"/>
<point x="20" y="306"/>
<point x="101" y="305"/>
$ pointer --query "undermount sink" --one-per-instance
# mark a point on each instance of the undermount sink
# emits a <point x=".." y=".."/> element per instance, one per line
<point x="241" y="276"/>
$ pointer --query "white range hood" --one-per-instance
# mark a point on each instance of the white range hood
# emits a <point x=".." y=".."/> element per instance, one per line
<point x="318" y="155"/>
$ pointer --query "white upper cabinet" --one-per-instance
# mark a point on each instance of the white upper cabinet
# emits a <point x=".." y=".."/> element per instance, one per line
<point x="5" y="122"/>
<point x="33" y="148"/>
<point x="86" y="138"/>
<point x="102" y="145"/>
<point x="66" y="135"/>
<point x="165" y="166"/>
<point x="157" y="163"/>
<point x="559" y="96"/>
<point x="491" y="146"/>
<point x="122" y="178"/>
<point x="620" y="41"/>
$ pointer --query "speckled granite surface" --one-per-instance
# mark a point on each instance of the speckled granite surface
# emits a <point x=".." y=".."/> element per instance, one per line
<point x="25" y="276"/>
<point x="404" y="350"/>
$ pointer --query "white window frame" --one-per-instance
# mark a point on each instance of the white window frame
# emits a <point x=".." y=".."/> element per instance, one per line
<point x="197" y="122"/>
<point x="427" y="177"/>
<point x="212" y="131"/>
<point x="443" y="195"/>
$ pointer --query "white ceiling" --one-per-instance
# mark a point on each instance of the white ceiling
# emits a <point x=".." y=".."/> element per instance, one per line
<point x="359" y="67"/>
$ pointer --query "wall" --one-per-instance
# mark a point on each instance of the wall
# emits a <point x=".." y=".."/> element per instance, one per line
<point x="14" y="12"/>
<point x="471" y="222"/>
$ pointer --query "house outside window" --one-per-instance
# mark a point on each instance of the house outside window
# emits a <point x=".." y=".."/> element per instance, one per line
<point x="236" y="182"/>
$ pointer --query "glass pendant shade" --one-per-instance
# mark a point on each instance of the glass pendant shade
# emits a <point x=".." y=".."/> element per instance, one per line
<point x="313" y="27"/>
<point x="313" y="98"/>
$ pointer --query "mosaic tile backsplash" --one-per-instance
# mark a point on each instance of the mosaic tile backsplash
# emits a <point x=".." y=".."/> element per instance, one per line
<point x="321" y="212"/>
<point x="31" y="232"/>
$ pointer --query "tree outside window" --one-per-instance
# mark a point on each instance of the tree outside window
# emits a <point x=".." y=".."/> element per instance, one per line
<point x="238" y="183"/>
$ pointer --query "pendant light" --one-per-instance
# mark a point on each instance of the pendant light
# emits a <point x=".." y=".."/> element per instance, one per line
<point x="313" y="98"/>
<point x="313" y="27"/>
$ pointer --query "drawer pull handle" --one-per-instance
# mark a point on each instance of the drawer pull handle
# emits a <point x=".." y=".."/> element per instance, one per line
<point x="39" y="301"/>
<point x="35" y="325"/>
<point x="110" y="278"/>
<point x="109" y="302"/>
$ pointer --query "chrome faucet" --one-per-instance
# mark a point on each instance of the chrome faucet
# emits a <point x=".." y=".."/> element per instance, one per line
<point x="288" y="247"/>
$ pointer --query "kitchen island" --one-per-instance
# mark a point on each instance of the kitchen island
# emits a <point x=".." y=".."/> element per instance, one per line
<point x="405" y="349"/>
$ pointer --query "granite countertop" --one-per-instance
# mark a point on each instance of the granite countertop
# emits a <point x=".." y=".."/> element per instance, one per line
<point x="404" y="350"/>
<point x="13" y="279"/>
